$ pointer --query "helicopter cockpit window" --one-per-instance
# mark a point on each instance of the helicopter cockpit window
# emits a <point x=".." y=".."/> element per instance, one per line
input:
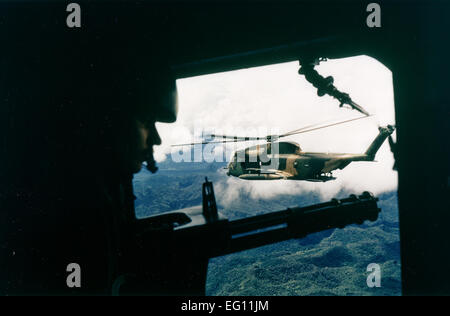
<point x="289" y="148"/>
<point x="343" y="151"/>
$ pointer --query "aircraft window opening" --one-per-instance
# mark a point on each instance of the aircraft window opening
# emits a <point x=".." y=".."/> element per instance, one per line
<point x="268" y="163"/>
<point x="282" y="163"/>
<point x="298" y="170"/>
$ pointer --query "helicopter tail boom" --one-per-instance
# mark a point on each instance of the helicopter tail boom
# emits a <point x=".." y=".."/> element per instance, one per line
<point x="378" y="141"/>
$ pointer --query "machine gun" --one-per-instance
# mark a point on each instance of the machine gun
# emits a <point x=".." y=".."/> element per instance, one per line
<point x="184" y="240"/>
<point x="325" y="85"/>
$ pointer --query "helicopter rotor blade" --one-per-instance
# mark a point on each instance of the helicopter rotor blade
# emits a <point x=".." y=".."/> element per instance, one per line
<point x="240" y="138"/>
<point x="209" y="142"/>
<point x="303" y="129"/>
<point x="268" y="138"/>
<point x="313" y="127"/>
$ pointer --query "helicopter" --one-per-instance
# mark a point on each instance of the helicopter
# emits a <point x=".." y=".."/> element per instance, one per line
<point x="287" y="161"/>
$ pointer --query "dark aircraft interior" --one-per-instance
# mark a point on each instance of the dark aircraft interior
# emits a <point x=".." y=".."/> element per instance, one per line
<point x="47" y="160"/>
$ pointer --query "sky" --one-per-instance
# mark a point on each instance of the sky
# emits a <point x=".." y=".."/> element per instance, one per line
<point x="276" y="99"/>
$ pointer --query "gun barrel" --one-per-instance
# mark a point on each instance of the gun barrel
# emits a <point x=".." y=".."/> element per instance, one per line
<point x="298" y="222"/>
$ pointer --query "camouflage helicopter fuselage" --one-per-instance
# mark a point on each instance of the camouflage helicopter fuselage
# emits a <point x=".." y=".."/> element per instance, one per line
<point x="286" y="160"/>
